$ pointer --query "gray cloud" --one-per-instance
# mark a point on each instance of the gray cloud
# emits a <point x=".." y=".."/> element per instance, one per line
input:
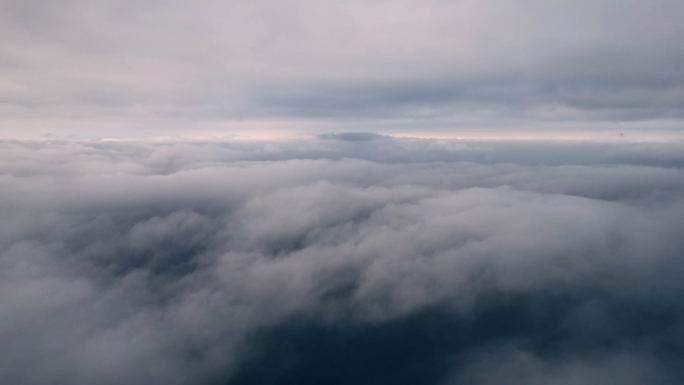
<point x="341" y="255"/>
<point x="353" y="136"/>
<point x="517" y="366"/>
<point x="268" y="262"/>
<point x="136" y="64"/>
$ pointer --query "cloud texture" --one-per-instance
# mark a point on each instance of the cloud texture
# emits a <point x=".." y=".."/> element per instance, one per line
<point x="143" y="65"/>
<point x="351" y="258"/>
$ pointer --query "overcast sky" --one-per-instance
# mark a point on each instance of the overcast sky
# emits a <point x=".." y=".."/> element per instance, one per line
<point x="300" y="67"/>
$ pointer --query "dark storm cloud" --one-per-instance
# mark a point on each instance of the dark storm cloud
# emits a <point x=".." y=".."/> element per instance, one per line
<point x="486" y="61"/>
<point x="334" y="261"/>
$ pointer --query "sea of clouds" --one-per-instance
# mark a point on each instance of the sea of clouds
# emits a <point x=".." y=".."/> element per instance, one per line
<point x="349" y="258"/>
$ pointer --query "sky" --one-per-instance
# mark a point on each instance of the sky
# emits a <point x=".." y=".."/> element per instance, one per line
<point x="343" y="193"/>
<point x="272" y="69"/>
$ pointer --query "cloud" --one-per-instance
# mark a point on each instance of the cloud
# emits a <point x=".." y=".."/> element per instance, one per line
<point x="353" y="136"/>
<point x="147" y="64"/>
<point x="352" y="256"/>
<point x="521" y="367"/>
<point x="338" y="261"/>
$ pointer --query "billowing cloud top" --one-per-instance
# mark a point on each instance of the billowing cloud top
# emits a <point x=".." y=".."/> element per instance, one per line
<point x="119" y="68"/>
<point x="347" y="259"/>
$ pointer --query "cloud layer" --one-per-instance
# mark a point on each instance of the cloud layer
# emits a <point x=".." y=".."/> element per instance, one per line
<point x="351" y="258"/>
<point x="140" y="65"/>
